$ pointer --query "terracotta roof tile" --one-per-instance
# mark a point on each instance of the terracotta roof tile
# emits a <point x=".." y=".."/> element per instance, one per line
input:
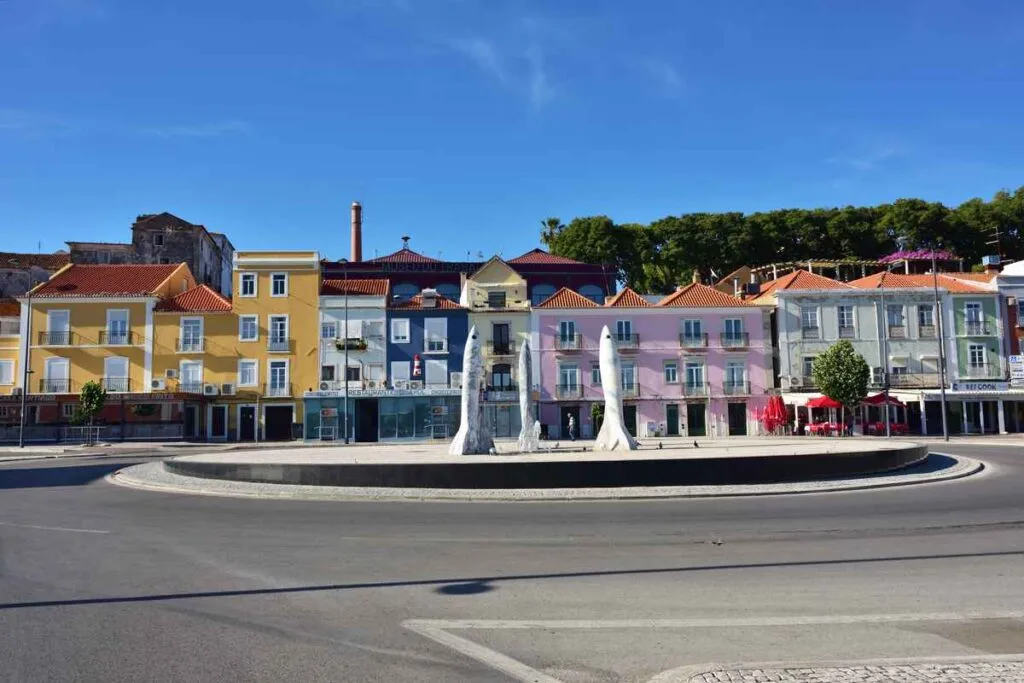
<point x="627" y="298"/>
<point x="696" y="295"/>
<point x="901" y="281"/>
<point x="973" y="277"/>
<point x="404" y="255"/>
<point x="541" y="257"/>
<point x="52" y="262"/>
<point x="108" y="280"/>
<point x="416" y="304"/>
<point x="367" y="287"/>
<point x="798" y="279"/>
<point x="200" y="299"/>
<point x="566" y="298"/>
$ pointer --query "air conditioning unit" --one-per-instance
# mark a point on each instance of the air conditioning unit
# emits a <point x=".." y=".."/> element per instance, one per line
<point x="324" y="386"/>
<point x="401" y="383"/>
<point x="372" y="384"/>
<point x="227" y="389"/>
<point x="796" y="382"/>
<point x="877" y="376"/>
<point x="16" y="391"/>
<point x="210" y="390"/>
<point x="456" y="380"/>
<point x="171" y="374"/>
<point x="416" y="384"/>
<point x="158" y="385"/>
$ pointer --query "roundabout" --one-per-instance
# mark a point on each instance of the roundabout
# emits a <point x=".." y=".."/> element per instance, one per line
<point x="421" y="472"/>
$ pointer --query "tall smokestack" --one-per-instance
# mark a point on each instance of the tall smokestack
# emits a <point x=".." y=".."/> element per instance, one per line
<point x="357" y="233"/>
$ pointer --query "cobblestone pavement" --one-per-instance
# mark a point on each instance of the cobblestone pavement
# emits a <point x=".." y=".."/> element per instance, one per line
<point x="932" y="672"/>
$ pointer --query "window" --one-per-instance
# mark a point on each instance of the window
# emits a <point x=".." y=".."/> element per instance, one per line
<point x="328" y="330"/>
<point x="501" y="376"/>
<point x="844" y="314"/>
<point x="808" y="365"/>
<point x="4" y="412"/>
<point x="693" y="329"/>
<point x="594" y="293"/>
<point x="117" y="326"/>
<point x="57" y="376"/>
<point x="278" y="378"/>
<point x="191" y="335"/>
<point x="6" y="372"/>
<point x="400" y="331"/>
<point x="974" y="318"/>
<point x="115" y="374"/>
<point x="976" y="355"/>
<point x="278" y="329"/>
<point x="733" y="328"/>
<point x="735" y="374"/>
<point x="326" y="373"/>
<point x="158" y="240"/>
<point x="400" y="371"/>
<point x="248" y="373"/>
<point x="435" y="372"/>
<point x="248" y="284"/>
<point x="894" y="314"/>
<point x="694" y="374"/>
<point x="809" y="317"/>
<point x="496" y="299"/>
<point x="926" y="320"/>
<point x="541" y="293"/>
<point x="354" y="373"/>
<point x="436" y="332"/>
<point x="628" y="377"/>
<point x="595" y="373"/>
<point x="501" y="339"/>
<point x="623" y="330"/>
<point x="567" y="331"/>
<point x="671" y="369"/>
<point x="569" y="375"/>
<point x="58" y="328"/>
<point x="279" y="284"/>
<point x="67" y="409"/>
<point x="448" y="291"/>
<point x="248" y="328"/>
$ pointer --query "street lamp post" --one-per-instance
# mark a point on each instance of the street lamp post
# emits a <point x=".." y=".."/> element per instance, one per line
<point x="942" y="346"/>
<point x="27" y="336"/>
<point x="885" y="357"/>
<point x="344" y="371"/>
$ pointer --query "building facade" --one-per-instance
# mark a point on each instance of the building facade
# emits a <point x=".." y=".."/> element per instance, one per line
<point x="695" y="363"/>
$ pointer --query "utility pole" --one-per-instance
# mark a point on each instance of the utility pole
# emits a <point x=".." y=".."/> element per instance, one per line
<point x="344" y="375"/>
<point x="942" y="346"/>
<point x="25" y="372"/>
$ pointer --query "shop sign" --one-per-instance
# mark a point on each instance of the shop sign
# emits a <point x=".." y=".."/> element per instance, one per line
<point x="328" y="412"/>
<point x="1016" y="367"/>
<point x="384" y="393"/>
<point x="437" y="411"/>
<point x="980" y="386"/>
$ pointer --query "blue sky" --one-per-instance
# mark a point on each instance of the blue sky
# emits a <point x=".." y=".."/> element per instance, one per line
<point x="464" y="123"/>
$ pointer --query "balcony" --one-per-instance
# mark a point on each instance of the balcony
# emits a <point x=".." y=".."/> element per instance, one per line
<point x="572" y="342"/>
<point x="501" y="348"/>
<point x="847" y="332"/>
<point x="977" y="328"/>
<point x="983" y="371"/>
<point x="695" y="389"/>
<point x="190" y="387"/>
<point x="191" y="345"/>
<point x="810" y="333"/>
<point x="117" y="385"/>
<point x="806" y="382"/>
<point x="627" y="342"/>
<point x="897" y="331"/>
<point x="569" y="391"/>
<point x="279" y="345"/>
<point x="630" y="390"/>
<point x="350" y="343"/>
<point x="736" y="388"/>
<point x="55" y="386"/>
<point x="693" y="341"/>
<point x="277" y="390"/>
<point x="927" y="332"/>
<point x="56" y="338"/>
<point x="502" y="393"/>
<point x="10" y="327"/>
<point x="905" y="380"/>
<point x="735" y="340"/>
<point x="116" y="338"/>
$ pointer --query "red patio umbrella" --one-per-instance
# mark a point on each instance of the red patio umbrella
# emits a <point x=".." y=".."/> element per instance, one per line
<point x="774" y="414"/>
<point x="882" y="399"/>
<point x="824" y="402"/>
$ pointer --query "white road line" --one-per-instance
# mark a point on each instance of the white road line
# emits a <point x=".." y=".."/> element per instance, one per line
<point x="484" y="655"/>
<point x="54" y="528"/>
<point x="494" y="624"/>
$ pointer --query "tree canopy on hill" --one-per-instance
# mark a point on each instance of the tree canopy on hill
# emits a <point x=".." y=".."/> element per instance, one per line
<point x="658" y="256"/>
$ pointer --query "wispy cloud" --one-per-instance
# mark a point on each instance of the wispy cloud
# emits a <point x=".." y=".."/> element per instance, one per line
<point x="523" y="71"/>
<point x="867" y="160"/>
<point x="481" y="52"/>
<point x="34" y="124"/>
<point x="540" y="89"/>
<point x="211" y="129"/>
<point x="664" y="75"/>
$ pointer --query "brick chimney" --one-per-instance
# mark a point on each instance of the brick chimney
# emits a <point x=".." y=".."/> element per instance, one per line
<point x="357" y="233"/>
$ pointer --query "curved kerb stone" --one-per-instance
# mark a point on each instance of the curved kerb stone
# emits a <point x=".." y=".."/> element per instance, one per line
<point x="634" y="470"/>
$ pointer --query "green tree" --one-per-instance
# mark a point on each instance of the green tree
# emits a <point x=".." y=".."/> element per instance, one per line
<point x="596" y="416"/>
<point x="842" y="374"/>
<point x="91" y="401"/>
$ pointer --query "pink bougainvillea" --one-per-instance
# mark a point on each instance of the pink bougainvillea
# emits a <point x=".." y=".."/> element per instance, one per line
<point x="918" y="255"/>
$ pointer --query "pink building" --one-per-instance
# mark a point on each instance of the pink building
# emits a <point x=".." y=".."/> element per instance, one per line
<point x="694" y="363"/>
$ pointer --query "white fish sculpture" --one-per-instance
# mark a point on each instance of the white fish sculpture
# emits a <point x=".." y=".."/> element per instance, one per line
<point x="528" y="438"/>
<point x="472" y="437"/>
<point x="613" y="435"/>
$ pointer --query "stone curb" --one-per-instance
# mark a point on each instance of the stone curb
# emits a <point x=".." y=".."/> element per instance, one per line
<point x="685" y="674"/>
<point x="153" y="477"/>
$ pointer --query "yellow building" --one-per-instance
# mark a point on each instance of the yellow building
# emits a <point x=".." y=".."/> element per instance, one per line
<point x="496" y="296"/>
<point x="250" y="358"/>
<point x="10" y="364"/>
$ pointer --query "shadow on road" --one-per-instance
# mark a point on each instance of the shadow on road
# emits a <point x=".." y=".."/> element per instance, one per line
<point x="478" y="585"/>
<point x="41" y="477"/>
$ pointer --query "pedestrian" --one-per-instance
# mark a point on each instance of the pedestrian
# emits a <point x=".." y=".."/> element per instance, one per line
<point x="572" y="428"/>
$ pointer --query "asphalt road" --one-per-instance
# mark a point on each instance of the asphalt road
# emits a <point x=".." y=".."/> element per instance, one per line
<point x="102" y="583"/>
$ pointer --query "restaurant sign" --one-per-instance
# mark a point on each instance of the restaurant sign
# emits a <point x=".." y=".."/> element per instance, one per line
<point x="384" y="393"/>
<point x="980" y="386"/>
